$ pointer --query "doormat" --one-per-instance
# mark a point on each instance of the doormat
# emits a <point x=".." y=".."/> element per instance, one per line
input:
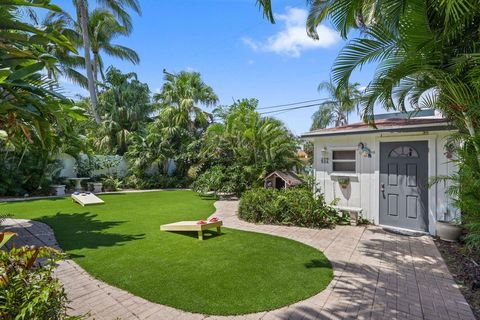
<point x="403" y="232"/>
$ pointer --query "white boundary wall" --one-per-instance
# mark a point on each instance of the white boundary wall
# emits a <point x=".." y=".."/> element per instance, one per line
<point x="120" y="170"/>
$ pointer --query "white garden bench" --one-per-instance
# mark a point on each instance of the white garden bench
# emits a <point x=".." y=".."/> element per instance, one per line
<point x="354" y="212"/>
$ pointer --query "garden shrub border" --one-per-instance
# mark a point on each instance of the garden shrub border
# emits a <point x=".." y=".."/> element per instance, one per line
<point x="295" y="206"/>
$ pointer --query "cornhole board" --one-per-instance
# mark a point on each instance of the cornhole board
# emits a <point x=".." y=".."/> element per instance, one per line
<point x="86" y="199"/>
<point x="192" y="226"/>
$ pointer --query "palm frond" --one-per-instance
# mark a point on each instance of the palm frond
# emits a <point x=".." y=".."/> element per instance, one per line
<point x="121" y="52"/>
<point x="266" y="7"/>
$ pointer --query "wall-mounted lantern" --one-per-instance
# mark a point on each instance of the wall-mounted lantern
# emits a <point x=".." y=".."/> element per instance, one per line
<point x="325" y="154"/>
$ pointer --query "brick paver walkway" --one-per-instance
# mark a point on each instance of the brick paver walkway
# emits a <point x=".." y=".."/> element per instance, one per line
<point x="378" y="275"/>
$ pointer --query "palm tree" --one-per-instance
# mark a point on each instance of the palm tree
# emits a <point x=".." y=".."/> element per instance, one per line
<point x="340" y="104"/>
<point x="103" y="28"/>
<point x="426" y="49"/>
<point x="118" y="7"/>
<point x="245" y="138"/>
<point x="351" y="14"/>
<point x="427" y="59"/>
<point x="125" y="107"/>
<point x="67" y="63"/>
<point x="181" y="98"/>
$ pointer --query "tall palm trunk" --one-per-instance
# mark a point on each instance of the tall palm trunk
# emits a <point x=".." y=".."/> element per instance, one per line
<point x="95" y="69"/>
<point x="83" y="15"/>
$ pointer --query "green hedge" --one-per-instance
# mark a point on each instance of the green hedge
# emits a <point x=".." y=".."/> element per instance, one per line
<point x="296" y="206"/>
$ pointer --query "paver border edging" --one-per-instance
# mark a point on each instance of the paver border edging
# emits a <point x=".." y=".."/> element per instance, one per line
<point x="68" y="268"/>
<point x="358" y="264"/>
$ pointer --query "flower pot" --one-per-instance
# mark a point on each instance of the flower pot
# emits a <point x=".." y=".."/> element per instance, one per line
<point x="97" y="187"/>
<point x="448" y="230"/>
<point x="344" y="182"/>
<point x="59" y="189"/>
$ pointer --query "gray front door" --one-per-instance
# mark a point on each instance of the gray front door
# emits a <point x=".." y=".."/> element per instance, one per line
<point x="403" y="184"/>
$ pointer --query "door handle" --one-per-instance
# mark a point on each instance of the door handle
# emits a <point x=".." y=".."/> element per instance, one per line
<point x="382" y="188"/>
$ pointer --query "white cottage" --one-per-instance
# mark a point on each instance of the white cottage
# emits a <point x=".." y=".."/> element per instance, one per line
<point x="384" y="172"/>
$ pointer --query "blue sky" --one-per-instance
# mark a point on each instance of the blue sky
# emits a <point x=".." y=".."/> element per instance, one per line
<point x="238" y="53"/>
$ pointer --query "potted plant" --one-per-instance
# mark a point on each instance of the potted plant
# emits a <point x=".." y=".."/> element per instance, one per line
<point x="58" y="185"/>
<point x="343" y="182"/>
<point x="449" y="230"/>
<point x="449" y="150"/>
<point x="58" y="189"/>
<point x="95" y="186"/>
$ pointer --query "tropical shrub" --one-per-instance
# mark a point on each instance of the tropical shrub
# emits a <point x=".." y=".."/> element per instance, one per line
<point x="111" y="183"/>
<point x="28" y="172"/>
<point x="295" y="206"/>
<point x="29" y="290"/>
<point x="221" y="179"/>
<point x="156" y="181"/>
<point x="85" y="166"/>
<point x="465" y="191"/>
<point x="132" y="181"/>
<point x="249" y="143"/>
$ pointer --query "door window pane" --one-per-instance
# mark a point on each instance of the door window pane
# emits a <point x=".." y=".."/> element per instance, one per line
<point x="403" y="152"/>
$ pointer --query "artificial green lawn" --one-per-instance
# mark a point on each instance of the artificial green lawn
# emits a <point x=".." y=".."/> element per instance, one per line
<point x="235" y="273"/>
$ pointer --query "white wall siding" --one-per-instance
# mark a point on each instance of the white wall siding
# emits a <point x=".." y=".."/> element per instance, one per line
<point x="363" y="190"/>
<point x="358" y="191"/>
<point x="445" y="167"/>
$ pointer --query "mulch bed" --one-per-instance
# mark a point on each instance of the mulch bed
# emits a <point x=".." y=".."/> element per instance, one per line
<point x="465" y="268"/>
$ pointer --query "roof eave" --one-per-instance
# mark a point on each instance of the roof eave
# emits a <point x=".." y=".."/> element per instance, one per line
<point x="412" y="128"/>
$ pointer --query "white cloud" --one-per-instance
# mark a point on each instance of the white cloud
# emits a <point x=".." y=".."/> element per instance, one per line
<point x="251" y="43"/>
<point x="190" y="69"/>
<point x="292" y="40"/>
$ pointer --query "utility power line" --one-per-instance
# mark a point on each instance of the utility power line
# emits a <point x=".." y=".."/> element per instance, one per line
<point x="291" y="108"/>
<point x="292" y="104"/>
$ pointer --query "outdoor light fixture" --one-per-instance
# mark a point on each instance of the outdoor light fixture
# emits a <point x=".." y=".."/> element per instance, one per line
<point x="324" y="152"/>
<point x="324" y="158"/>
